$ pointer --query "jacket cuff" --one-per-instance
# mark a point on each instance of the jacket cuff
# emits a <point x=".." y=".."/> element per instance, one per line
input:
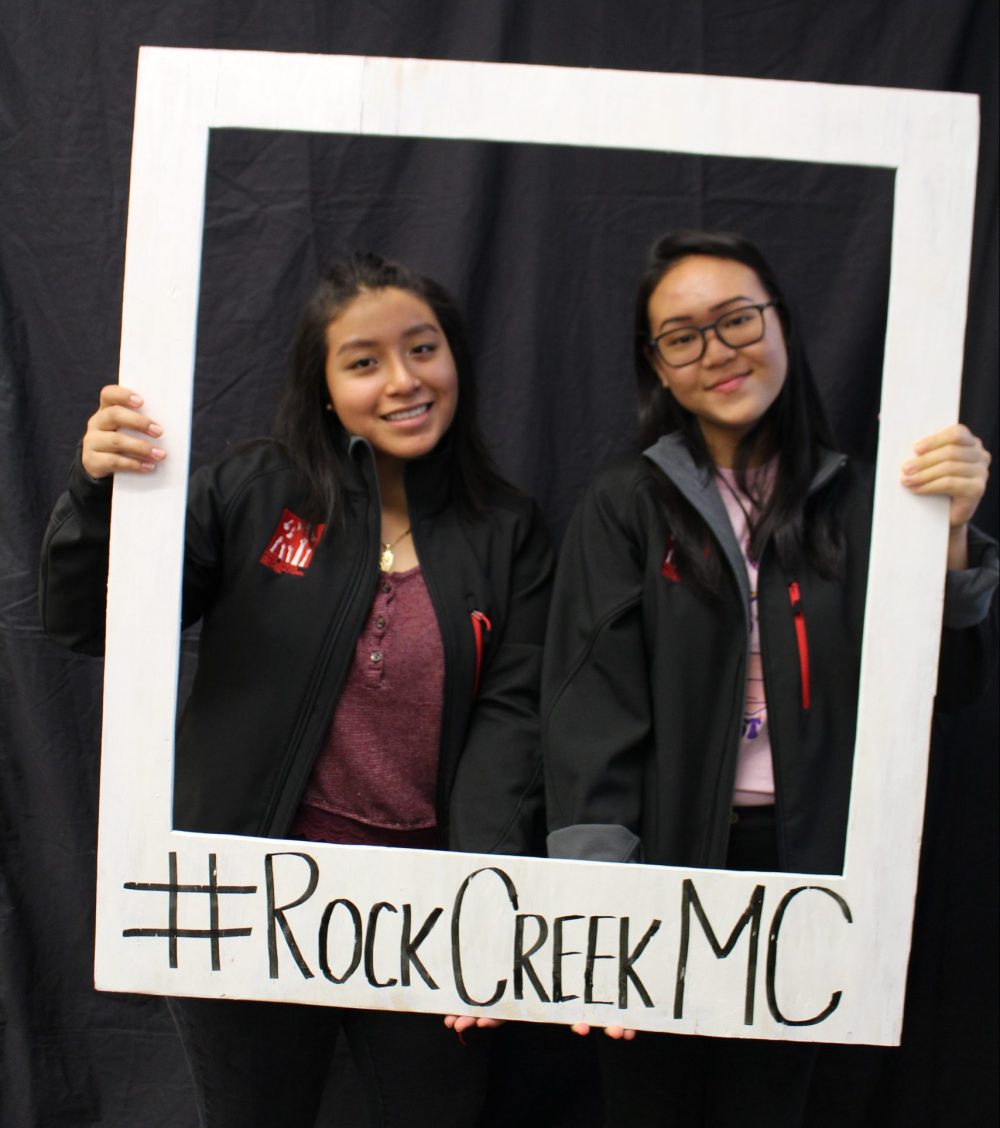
<point x="595" y="842"/>
<point x="969" y="593"/>
<point x="83" y="486"/>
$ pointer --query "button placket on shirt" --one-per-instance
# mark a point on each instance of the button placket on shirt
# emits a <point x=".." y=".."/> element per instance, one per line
<point x="377" y="625"/>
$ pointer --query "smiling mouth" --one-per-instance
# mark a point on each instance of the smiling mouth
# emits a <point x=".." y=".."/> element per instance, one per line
<point x="407" y="413"/>
<point x="729" y="383"/>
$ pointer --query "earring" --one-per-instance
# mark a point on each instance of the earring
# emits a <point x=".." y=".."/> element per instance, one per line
<point x="329" y="407"/>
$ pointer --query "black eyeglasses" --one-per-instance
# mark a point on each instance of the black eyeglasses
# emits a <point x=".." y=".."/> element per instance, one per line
<point x="736" y="328"/>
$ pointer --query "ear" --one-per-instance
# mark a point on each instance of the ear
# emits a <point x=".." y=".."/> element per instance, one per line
<point x="657" y="365"/>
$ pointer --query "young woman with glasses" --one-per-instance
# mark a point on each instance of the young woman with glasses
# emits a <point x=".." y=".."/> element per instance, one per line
<point x="701" y="670"/>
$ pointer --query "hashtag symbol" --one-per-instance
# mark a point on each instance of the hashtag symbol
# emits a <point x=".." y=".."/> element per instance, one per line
<point x="213" y="890"/>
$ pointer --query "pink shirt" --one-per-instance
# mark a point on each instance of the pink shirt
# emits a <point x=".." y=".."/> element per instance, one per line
<point x="375" y="780"/>
<point x="754" y="768"/>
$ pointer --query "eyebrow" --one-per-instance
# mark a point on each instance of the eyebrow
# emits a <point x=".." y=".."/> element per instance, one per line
<point x="365" y="343"/>
<point x="712" y="308"/>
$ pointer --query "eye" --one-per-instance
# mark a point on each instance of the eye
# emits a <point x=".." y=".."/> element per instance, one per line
<point x="680" y="338"/>
<point x="739" y="317"/>
<point x="424" y="348"/>
<point x="361" y="364"/>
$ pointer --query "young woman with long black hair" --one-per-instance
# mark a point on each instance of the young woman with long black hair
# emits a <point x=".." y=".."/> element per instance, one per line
<point x="373" y="598"/>
<point x="702" y="660"/>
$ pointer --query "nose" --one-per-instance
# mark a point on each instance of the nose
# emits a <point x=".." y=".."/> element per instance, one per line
<point x="402" y="379"/>
<point x="716" y="349"/>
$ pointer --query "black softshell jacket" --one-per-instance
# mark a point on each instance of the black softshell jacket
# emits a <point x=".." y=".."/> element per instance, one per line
<point x="276" y="645"/>
<point x="644" y="677"/>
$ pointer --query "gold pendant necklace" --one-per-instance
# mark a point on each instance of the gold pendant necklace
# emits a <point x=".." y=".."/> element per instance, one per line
<point x="386" y="559"/>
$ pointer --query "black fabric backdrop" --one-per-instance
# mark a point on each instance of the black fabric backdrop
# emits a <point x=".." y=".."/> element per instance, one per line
<point x="542" y="246"/>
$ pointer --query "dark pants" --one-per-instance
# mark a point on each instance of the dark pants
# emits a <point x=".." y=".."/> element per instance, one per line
<point x="687" y="1081"/>
<point x="263" y="1065"/>
<point x="670" y="1080"/>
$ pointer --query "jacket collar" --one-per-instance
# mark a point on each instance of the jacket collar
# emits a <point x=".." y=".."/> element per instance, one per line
<point x="427" y="479"/>
<point x="696" y="483"/>
<point x="671" y="455"/>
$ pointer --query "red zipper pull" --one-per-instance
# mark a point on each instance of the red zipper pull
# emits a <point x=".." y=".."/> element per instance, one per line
<point x="479" y="624"/>
<point x="668" y="569"/>
<point x="801" y="638"/>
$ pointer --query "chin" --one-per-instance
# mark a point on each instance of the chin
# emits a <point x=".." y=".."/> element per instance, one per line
<point x="410" y="451"/>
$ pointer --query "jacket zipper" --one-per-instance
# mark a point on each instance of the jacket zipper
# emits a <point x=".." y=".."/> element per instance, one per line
<point x="321" y="680"/>
<point x="479" y="624"/>
<point x="801" y="638"/>
<point x="453" y="640"/>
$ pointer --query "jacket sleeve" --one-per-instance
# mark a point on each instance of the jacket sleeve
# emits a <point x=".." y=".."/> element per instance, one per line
<point x="73" y="571"/>
<point x="596" y="715"/>
<point x="969" y="630"/>
<point x="497" y="802"/>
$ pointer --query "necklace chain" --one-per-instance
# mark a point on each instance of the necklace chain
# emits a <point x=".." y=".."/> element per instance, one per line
<point x="739" y="500"/>
<point x="386" y="557"/>
<point x="734" y="494"/>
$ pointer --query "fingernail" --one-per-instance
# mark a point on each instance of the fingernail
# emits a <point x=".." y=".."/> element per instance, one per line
<point x="134" y="400"/>
<point x="147" y="466"/>
<point x="909" y="467"/>
<point x="157" y="453"/>
<point x="155" y="429"/>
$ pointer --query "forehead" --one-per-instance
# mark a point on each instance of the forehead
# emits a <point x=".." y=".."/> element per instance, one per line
<point x="703" y="281"/>
<point x="376" y="313"/>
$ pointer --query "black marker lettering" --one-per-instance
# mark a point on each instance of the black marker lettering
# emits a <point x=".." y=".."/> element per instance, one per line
<point x="276" y="913"/>
<point x="324" y="930"/>
<point x="522" y="958"/>
<point x="370" y="944"/>
<point x="626" y="971"/>
<point x="592" y="957"/>
<point x="456" y="942"/>
<point x="408" y="948"/>
<point x="557" y="959"/>
<point x="751" y="914"/>
<point x="772" y="957"/>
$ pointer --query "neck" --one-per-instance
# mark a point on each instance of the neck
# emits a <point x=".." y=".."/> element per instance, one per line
<point x="392" y="491"/>
<point x="722" y="448"/>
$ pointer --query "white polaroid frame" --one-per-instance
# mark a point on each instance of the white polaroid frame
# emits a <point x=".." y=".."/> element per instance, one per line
<point x="694" y="951"/>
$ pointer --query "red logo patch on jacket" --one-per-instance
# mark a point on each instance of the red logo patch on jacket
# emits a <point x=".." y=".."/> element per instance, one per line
<point x="291" y="546"/>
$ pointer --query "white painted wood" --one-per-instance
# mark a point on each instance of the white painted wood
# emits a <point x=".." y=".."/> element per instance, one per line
<point x="931" y="141"/>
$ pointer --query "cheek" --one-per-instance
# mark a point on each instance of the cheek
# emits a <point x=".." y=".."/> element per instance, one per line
<point x="778" y="352"/>
<point x="449" y="393"/>
<point x="772" y="358"/>
<point x="682" y="383"/>
<point x="779" y="363"/>
<point x="348" y="401"/>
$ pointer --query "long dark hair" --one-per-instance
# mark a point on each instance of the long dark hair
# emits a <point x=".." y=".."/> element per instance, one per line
<point x="794" y="427"/>
<point x="314" y="437"/>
